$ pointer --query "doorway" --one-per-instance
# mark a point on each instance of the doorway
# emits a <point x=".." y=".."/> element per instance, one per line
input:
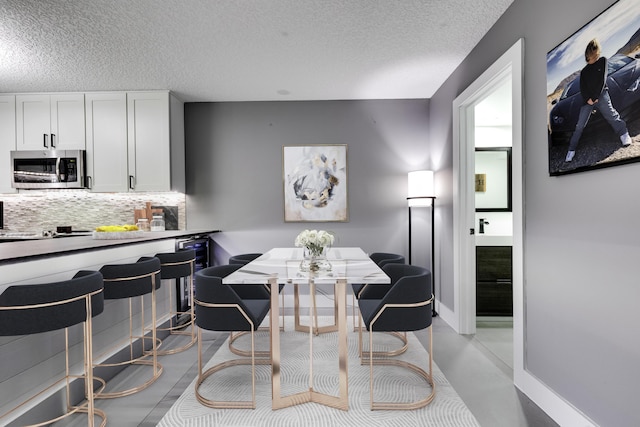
<point x="507" y="70"/>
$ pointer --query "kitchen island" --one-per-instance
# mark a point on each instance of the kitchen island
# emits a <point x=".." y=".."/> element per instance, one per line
<point x="12" y="252"/>
<point x="29" y="361"/>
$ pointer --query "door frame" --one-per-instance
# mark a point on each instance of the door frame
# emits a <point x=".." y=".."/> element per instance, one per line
<point x="510" y="64"/>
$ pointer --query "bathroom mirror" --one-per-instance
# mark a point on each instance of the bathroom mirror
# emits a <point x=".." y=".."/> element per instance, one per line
<point x="493" y="179"/>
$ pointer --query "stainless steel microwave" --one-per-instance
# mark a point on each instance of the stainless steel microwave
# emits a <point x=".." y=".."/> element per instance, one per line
<point x="40" y="169"/>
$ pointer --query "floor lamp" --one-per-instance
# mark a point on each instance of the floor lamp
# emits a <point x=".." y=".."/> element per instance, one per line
<point x="421" y="193"/>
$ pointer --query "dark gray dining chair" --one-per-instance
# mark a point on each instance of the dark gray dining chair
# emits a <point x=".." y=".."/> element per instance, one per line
<point x="405" y="307"/>
<point x="252" y="291"/>
<point x="381" y="259"/>
<point x="219" y="308"/>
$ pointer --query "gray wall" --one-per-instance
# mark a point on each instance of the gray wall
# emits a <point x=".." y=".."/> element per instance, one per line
<point x="581" y="231"/>
<point x="234" y="173"/>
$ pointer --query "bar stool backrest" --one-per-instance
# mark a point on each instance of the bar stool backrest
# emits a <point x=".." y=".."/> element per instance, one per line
<point x="130" y="280"/>
<point x="177" y="264"/>
<point x="53" y="306"/>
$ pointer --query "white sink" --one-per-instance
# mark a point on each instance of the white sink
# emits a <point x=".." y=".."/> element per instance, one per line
<point x="489" y="240"/>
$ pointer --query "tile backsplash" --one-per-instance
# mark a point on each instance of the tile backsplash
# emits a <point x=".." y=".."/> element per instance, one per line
<point x="81" y="209"/>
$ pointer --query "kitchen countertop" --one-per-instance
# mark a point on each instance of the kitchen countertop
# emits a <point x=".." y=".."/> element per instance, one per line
<point x="12" y="252"/>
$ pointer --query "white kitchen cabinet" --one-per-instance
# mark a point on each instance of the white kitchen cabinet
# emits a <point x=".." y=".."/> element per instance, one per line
<point x="50" y="121"/>
<point x="106" y="135"/>
<point x="152" y="141"/>
<point x="7" y="140"/>
<point x="135" y="142"/>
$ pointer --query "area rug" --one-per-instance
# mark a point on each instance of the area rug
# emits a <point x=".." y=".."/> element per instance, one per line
<point x="391" y="384"/>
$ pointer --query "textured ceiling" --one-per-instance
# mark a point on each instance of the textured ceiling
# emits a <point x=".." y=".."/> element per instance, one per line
<point x="241" y="50"/>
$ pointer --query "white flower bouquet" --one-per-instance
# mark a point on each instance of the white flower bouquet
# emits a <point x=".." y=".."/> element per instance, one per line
<point x="314" y="240"/>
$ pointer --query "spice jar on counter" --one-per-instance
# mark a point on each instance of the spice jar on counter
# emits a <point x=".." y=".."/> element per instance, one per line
<point x="157" y="223"/>
<point x="143" y="224"/>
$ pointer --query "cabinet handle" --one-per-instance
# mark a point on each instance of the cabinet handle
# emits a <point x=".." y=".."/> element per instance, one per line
<point x="45" y="140"/>
<point x="132" y="181"/>
<point x="89" y="182"/>
<point x="53" y="145"/>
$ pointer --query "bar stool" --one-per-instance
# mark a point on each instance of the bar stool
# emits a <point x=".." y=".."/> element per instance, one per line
<point x="33" y="309"/>
<point x="128" y="281"/>
<point x="178" y="265"/>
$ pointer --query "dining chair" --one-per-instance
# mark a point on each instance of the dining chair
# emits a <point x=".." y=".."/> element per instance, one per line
<point x="219" y="308"/>
<point x="252" y="291"/>
<point x="381" y="259"/>
<point x="405" y="307"/>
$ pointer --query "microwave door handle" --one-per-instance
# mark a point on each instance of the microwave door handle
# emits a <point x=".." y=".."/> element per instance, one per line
<point x="58" y="160"/>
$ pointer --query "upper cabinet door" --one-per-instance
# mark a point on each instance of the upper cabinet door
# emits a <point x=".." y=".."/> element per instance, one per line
<point x="67" y="121"/>
<point x="7" y="140"/>
<point x="107" y="142"/>
<point x="46" y="121"/>
<point x="149" y="141"/>
<point x="33" y="122"/>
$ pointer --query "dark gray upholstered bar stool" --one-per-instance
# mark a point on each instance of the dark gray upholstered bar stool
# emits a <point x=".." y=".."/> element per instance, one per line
<point x="405" y="307"/>
<point x="33" y="309"/>
<point x="130" y="281"/>
<point x="178" y="265"/>
<point x="220" y="308"/>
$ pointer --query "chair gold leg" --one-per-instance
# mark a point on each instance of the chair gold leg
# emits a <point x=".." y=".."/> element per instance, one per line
<point x="202" y="376"/>
<point x="178" y="329"/>
<point x="427" y="376"/>
<point x="157" y="368"/>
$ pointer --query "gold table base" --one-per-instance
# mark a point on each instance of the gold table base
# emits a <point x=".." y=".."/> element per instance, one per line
<point x="342" y="400"/>
<point x="316" y="329"/>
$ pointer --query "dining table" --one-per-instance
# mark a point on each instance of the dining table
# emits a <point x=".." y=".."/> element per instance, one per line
<point x="281" y="266"/>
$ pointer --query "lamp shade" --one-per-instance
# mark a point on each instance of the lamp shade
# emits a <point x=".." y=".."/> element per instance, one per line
<point x="421" y="189"/>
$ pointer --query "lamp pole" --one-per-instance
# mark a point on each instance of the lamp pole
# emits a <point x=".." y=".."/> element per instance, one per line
<point x="434" y="313"/>
<point x="433" y="245"/>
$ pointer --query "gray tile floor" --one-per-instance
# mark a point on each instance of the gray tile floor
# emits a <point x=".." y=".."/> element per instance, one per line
<point x="481" y="378"/>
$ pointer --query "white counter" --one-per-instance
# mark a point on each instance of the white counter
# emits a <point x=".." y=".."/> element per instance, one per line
<point x="489" y="240"/>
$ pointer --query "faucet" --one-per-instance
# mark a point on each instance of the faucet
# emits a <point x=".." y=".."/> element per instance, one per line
<point x="482" y="223"/>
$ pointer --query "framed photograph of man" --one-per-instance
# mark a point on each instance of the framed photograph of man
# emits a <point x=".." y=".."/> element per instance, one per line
<point x="593" y="93"/>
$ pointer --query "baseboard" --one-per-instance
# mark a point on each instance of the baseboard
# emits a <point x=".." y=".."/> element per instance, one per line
<point x="561" y="411"/>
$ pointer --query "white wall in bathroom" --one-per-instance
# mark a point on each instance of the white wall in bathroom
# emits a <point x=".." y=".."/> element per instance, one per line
<point x="500" y="223"/>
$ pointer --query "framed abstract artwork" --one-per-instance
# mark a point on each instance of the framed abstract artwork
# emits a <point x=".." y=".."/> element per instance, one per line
<point x="315" y="183"/>
<point x="593" y="93"/>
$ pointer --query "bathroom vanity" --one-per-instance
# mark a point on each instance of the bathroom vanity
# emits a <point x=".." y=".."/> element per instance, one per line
<point x="494" y="290"/>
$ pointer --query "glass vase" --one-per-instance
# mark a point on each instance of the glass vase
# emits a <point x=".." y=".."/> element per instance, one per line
<point x="314" y="261"/>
